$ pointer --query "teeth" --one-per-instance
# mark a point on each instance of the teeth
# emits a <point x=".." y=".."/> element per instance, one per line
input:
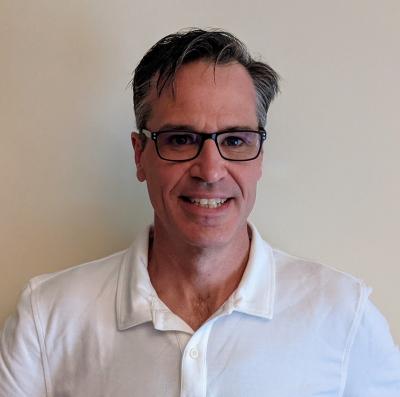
<point x="208" y="203"/>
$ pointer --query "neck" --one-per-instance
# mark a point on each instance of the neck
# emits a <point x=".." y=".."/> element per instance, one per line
<point x="195" y="281"/>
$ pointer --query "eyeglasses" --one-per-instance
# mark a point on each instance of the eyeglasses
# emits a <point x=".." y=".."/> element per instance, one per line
<point x="236" y="145"/>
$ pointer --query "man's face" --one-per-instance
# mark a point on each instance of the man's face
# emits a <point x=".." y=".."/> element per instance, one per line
<point x="207" y="99"/>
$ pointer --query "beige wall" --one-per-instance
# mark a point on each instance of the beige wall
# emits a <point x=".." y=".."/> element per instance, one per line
<point x="332" y="170"/>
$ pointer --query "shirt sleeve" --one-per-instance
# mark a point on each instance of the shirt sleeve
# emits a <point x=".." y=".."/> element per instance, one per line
<point x="374" y="362"/>
<point x="21" y="361"/>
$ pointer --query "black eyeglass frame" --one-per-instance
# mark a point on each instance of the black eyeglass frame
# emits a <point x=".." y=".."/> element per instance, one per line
<point x="204" y="136"/>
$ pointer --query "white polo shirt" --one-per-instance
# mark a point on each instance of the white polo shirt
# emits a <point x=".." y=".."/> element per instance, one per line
<point x="292" y="328"/>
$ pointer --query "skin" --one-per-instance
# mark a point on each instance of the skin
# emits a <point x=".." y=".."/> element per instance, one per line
<point x="198" y="255"/>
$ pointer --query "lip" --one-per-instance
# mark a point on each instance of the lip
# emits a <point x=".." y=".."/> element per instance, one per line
<point x="207" y="195"/>
<point x="204" y="211"/>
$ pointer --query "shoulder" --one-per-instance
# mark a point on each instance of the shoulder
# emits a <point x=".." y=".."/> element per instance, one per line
<point x="309" y="285"/>
<point x="310" y="275"/>
<point x="53" y="313"/>
<point x="316" y="288"/>
<point x="335" y="307"/>
<point x="76" y="287"/>
<point x="306" y="268"/>
<point x="78" y="276"/>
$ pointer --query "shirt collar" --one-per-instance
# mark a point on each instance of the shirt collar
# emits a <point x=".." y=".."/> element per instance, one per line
<point x="255" y="294"/>
<point x="135" y="293"/>
<point x="137" y="301"/>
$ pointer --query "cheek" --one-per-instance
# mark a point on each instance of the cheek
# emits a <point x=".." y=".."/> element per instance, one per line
<point x="259" y="167"/>
<point x="260" y="171"/>
<point x="154" y="184"/>
<point x="153" y="194"/>
<point x="250" y="176"/>
<point x="162" y="180"/>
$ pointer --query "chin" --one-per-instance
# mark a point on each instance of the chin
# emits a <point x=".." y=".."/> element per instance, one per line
<point x="208" y="236"/>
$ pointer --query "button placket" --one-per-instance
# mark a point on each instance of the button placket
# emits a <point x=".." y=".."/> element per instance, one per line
<point x="194" y="366"/>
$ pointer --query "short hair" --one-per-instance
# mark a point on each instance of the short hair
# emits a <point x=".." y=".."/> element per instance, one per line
<point x="161" y="63"/>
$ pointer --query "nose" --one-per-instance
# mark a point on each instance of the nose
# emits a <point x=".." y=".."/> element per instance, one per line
<point x="209" y="166"/>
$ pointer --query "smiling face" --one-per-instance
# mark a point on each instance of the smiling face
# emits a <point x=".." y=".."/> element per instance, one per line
<point x="203" y="202"/>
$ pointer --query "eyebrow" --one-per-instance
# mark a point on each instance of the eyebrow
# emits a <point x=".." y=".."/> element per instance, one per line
<point x="189" y="128"/>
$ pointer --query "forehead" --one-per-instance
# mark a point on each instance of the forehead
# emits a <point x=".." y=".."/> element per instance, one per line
<point x="206" y="96"/>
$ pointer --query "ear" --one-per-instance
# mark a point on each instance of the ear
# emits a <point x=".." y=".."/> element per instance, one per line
<point x="137" y="145"/>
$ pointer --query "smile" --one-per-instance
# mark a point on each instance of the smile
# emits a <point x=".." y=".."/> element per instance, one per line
<point x="207" y="203"/>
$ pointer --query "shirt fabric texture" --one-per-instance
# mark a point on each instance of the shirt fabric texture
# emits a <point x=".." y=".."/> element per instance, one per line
<point x="292" y="328"/>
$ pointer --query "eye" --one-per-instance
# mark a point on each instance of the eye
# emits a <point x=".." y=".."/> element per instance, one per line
<point x="233" y="140"/>
<point x="179" y="139"/>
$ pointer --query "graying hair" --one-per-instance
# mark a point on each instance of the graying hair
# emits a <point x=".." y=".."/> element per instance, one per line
<point x="161" y="63"/>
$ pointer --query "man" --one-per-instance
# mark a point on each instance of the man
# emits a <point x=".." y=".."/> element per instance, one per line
<point x="199" y="305"/>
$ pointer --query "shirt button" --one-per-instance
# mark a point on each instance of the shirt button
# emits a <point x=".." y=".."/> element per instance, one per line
<point x="194" y="353"/>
